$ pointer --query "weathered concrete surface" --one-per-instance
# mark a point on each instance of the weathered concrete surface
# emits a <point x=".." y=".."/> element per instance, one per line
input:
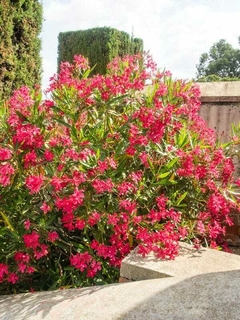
<point x="220" y="89"/>
<point x="207" y="296"/>
<point x="190" y="262"/>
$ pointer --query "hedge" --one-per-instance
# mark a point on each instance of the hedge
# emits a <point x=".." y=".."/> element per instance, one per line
<point x="99" y="45"/>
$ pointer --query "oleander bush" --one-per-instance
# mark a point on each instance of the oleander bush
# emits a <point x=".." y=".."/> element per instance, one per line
<point x="106" y="164"/>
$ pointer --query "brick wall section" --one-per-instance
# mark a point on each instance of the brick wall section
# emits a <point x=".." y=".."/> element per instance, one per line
<point x="220" y="107"/>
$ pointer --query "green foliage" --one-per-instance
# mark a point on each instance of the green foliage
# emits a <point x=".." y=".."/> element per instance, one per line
<point x="20" y="61"/>
<point x="222" y="63"/>
<point x="99" y="45"/>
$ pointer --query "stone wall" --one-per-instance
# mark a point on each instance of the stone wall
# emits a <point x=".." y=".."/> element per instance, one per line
<point x="220" y="107"/>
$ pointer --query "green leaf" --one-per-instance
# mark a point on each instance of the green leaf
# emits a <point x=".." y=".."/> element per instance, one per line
<point x="101" y="228"/>
<point x="69" y="268"/>
<point x="21" y="116"/>
<point x="170" y="164"/>
<point x="151" y="165"/>
<point x="182" y="198"/>
<point x="62" y="122"/>
<point x="163" y="175"/>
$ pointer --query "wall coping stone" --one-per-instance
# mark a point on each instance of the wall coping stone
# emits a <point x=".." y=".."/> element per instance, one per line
<point x="223" y="91"/>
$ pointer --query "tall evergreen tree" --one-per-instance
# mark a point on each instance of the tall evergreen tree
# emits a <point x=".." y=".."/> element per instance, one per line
<point x="20" y="61"/>
<point x="99" y="45"/>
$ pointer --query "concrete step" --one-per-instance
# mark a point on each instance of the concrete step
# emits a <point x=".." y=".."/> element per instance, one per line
<point x="190" y="262"/>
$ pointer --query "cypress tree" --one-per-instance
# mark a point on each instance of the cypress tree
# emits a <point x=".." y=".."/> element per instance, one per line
<point x="20" y="61"/>
<point x="99" y="45"/>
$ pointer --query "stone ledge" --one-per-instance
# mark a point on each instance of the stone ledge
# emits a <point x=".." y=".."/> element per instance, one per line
<point x="220" y="91"/>
<point x="216" y="99"/>
<point x="206" y="296"/>
<point x="190" y="262"/>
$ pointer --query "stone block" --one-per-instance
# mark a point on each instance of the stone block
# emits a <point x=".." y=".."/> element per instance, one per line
<point x="190" y="262"/>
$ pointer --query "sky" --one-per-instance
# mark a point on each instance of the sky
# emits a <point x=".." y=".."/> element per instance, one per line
<point x="175" y="32"/>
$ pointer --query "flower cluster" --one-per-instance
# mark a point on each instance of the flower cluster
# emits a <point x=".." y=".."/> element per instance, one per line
<point x="107" y="164"/>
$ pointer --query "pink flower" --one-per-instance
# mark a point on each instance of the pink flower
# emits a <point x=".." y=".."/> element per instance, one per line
<point x="5" y="154"/>
<point x="78" y="178"/>
<point x="200" y="227"/>
<point x="21" y="256"/>
<point x="21" y="267"/>
<point x="102" y="186"/>
<point x="27" y="224"/>
<point x="68" y="221"/>
<point x="57" y="183"/>
<point x="30" y="270"/>
<point x="144" y="159"/>
<point x="45" y="208"/>
<point x="29" y="136"/>
<point x="128" y="205"/>
<point x="126" y="187"/>
<point x="68" y="205"/>
<point x="136" y="176"/>
<point x="31" y="240"/>
<point x="130" y="151"/>
<point x="93" y="268"/>
<point x="34" y="183"/>
<point x="237" y="182"/>
<point x="3" y="270"/>
<point x="80" y="224"/>
<point x="112" y="163"/>
<point x="94" y="218"/>
<point x="40" y="251"/>
<point x="81" y="260"/>
<point x="102" y="166"/>
<point x="77" y="197"/>
<point x="12" y="278"/>
<point x="52" y="236"/>
<point x="161" y="201"/>
<point x="6" y="171"/>
<point x="30" y="159"/>
<point x="113" y="219"/>
<point x="143" y="250"/>
<point x="217" y="204"/>
<point x="48" y="155"/>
